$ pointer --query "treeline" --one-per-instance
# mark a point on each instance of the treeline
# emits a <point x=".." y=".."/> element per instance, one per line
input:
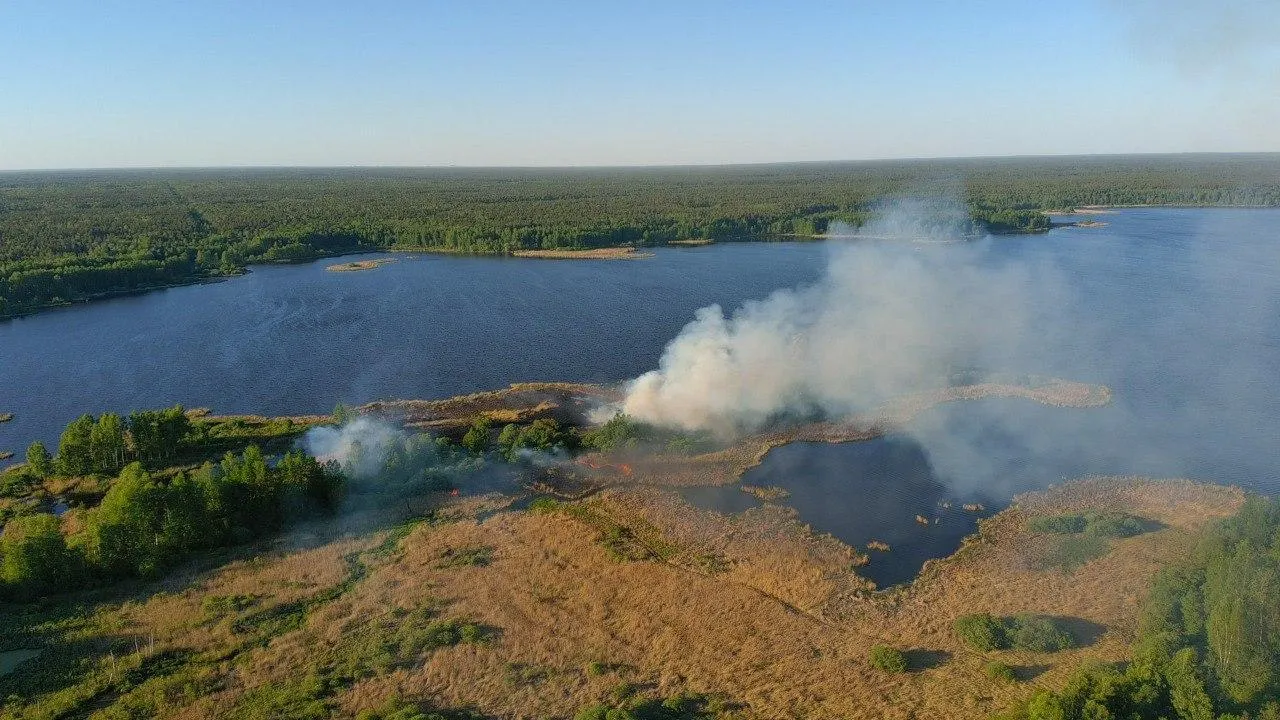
<point x="146" y="523"/>
<point x="70" y="236"/>
<point x="141" y="508"/>
<point x="1208" y="644"/>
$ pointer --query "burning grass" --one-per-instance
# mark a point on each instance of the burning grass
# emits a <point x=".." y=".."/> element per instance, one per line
<point x="567" y="403"/>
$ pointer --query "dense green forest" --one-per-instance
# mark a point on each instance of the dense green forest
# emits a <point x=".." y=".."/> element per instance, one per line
<point x="67" y="236"/>
<point x="1208" y="644"/>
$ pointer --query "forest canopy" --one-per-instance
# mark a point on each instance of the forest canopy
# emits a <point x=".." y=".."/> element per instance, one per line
<point x="67" y="236"/>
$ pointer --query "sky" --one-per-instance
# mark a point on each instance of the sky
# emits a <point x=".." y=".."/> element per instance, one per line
<point x="142" y="83"/>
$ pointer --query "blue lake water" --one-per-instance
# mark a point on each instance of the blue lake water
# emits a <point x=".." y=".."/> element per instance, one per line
<point x="1178" y="310"/>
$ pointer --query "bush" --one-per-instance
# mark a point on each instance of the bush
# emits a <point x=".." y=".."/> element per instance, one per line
<point x="982" y="631"/>
<point x="1000" y="672"/>
<point x="1071" y="551"/>
<point x="888" y="659"/>
<point x="35" y="556"/>
<point x="1058" y="524"/>
<point x="1038" y="633"/>
<point x="1092" y="523"/>
<point x="1115" y="525"/>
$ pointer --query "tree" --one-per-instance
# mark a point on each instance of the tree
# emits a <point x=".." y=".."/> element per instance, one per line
<point x="158" y="434"/>
<point x="477" y="437"/>
<point x="1186" y="688"/>
<point x="341" y="415"/>
<point x="74" y="455"/>
<point x="106" y="443"/>
<point x="35" y="555"/>
<point x="125" y="532"/>
<point x="38" y="461"/>
<point x="320" y="486"/>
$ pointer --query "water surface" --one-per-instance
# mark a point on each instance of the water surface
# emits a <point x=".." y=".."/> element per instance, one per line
<point x="1178" y="310"/>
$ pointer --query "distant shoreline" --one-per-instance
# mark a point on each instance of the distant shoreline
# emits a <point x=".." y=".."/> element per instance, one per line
<point x="610" y="253"/>
<point x="605" y="253"/>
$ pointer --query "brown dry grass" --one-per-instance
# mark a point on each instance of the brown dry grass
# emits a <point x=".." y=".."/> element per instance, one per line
<point x="522" y="402"/>
<point x="779" y="621"/>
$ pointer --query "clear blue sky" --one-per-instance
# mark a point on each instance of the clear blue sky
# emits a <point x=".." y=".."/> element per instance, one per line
<point x="111" y="83"/>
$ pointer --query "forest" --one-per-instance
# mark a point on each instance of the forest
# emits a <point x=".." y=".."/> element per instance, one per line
<point x="67" y="236"/>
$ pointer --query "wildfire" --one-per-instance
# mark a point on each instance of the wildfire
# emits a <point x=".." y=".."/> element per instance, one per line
<point x="621" y="467"/>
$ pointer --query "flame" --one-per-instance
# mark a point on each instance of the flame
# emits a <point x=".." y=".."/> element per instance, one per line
<point x="624" y="469"/>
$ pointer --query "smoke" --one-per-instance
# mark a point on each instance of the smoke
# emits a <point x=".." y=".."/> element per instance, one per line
<point x="1178" y="312"/>
<point x="360" y="446"/>
<point x="888" y="317"/>
<point x="1202" y="36"/>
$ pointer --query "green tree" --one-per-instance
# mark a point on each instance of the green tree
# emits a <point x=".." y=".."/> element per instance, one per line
<point x="1186" y="688"/>
<point x="158" y="434"/>
<point x="35" y="555"/>
<point x="476" y="438"/>
<point x="106" y="443"/>
<point x="341" y="415"/>
<point x="38" y="461"/>
<point x="320" y="486"/>
<point x="125" y="532"/>
<point x="74" y="454"/>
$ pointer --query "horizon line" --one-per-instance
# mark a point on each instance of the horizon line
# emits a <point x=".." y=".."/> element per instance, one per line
<point x="640" y="166"/>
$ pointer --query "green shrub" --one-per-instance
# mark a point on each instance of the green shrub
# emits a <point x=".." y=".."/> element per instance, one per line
<point x="1038" y="633"/>
<point x="1058" y="524"/>
<point x="1115" y="525"/>
<point x="1000" y="672"/>
<point x="1069" y="552"/>
<point x="1107" y="524"/>
<point x="544" y="505"/>
<point x="982" y="631"/>
<point x="888" y="659"/>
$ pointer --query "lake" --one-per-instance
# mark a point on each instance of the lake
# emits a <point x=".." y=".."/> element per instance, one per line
<point x="1178" y="310"/>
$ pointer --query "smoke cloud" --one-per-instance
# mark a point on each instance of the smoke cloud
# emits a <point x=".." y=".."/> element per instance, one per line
<point x="360" y="446"/>
<point x="889" y="317"/>
<point x="1200" y="36"/>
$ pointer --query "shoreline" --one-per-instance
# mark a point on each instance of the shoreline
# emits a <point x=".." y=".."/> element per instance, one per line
<point x="575" y="254"/>
<point x="606" y="253"/>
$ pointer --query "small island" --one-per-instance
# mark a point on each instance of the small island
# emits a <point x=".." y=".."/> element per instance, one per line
<point x="605" y="253"/>
<point x="358" y="265"/>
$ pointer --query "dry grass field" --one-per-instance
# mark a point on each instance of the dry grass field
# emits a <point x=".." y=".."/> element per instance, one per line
<point x="633" y="586"/>
<point x="490" y="606"/>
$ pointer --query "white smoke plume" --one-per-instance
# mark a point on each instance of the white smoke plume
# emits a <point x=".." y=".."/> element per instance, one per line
<point x="359" y="446"/>
<point x="888" y="317"/>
